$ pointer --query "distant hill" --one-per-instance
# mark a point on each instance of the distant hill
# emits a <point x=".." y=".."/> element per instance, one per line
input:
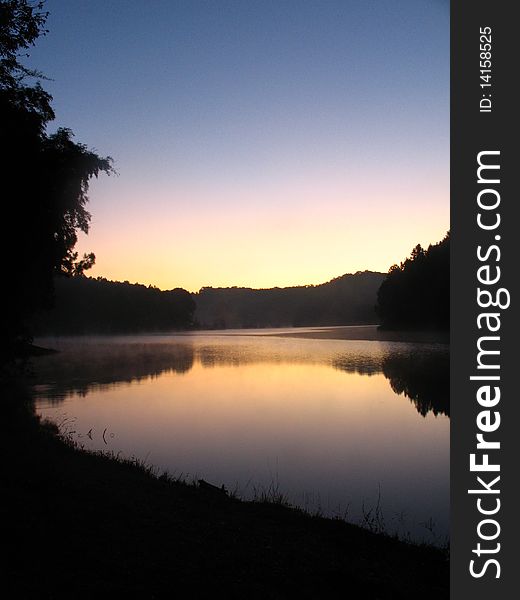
<point x="87" y="305"/>
<point x="346" y="300"/>
<point x="96" y="305"/>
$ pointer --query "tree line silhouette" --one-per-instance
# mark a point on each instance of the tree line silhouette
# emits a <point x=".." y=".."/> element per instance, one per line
<point x="346" y="300"/>
<point x="45" y="179"/>
<point x="87" y="305"/>
<point x="416" y="293"/>
<point x="413" y="295"/>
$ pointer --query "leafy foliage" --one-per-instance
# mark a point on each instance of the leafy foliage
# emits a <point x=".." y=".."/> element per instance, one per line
<point x="21" y="23"/>
<point x="416" y="293"/>
<point x="44" y="178"/>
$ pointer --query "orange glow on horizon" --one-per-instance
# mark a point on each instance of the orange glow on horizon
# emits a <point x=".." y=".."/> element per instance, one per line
<point x="239" y="241"/>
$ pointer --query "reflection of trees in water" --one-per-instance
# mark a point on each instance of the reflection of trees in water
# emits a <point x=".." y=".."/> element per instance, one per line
<point x="211" y="356"/>
<point x="362" y="364"/>
<point x="89" y="367"/>
<point x="215" y="355"/>
<point x="423" y="378"/>
<point x="353" y="362"/>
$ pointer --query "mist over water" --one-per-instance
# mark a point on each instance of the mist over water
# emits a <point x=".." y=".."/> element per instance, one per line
<point x="345" y="427"/>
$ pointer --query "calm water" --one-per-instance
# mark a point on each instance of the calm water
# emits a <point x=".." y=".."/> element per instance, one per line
<point x="337" y="425"/>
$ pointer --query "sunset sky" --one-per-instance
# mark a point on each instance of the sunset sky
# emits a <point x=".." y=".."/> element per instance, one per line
<point x="258" y="143"/>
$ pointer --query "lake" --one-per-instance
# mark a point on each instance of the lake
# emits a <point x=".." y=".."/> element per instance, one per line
<point x="350" y="428"/>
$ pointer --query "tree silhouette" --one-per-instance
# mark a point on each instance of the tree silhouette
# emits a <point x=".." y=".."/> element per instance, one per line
<point x="416" y="293"/>
<point x="44" y="179"/>
<point x="85" y="305"/>
<point x="21" y="23"/>
<point x="345" y="300"/>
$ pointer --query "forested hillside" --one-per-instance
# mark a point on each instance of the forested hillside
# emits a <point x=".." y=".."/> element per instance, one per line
<point x="88" y="305"/>
<point x="416" y="293"/>
<point x="349" y="299"/>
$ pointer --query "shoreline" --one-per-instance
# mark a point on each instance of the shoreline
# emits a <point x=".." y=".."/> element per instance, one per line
<point x="371" y="333"/>
<point x="112" y="524"/>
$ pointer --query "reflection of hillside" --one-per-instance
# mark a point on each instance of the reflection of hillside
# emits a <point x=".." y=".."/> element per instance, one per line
<point x="361" y="364"/>
<point x="81" y="369"/>
<point x="421" y="376"/>
<point x="424" y="379"/>
<point x="353" y="362"/>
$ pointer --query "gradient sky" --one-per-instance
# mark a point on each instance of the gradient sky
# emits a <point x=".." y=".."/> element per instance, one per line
<point x="258" y="143"/>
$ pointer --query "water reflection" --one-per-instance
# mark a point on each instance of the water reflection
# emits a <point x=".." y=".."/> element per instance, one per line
<point x="423" y="378"/>
<point x="418" y="371"/>
<point x="81" y="367"/>
<point x="327" y="419"/>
